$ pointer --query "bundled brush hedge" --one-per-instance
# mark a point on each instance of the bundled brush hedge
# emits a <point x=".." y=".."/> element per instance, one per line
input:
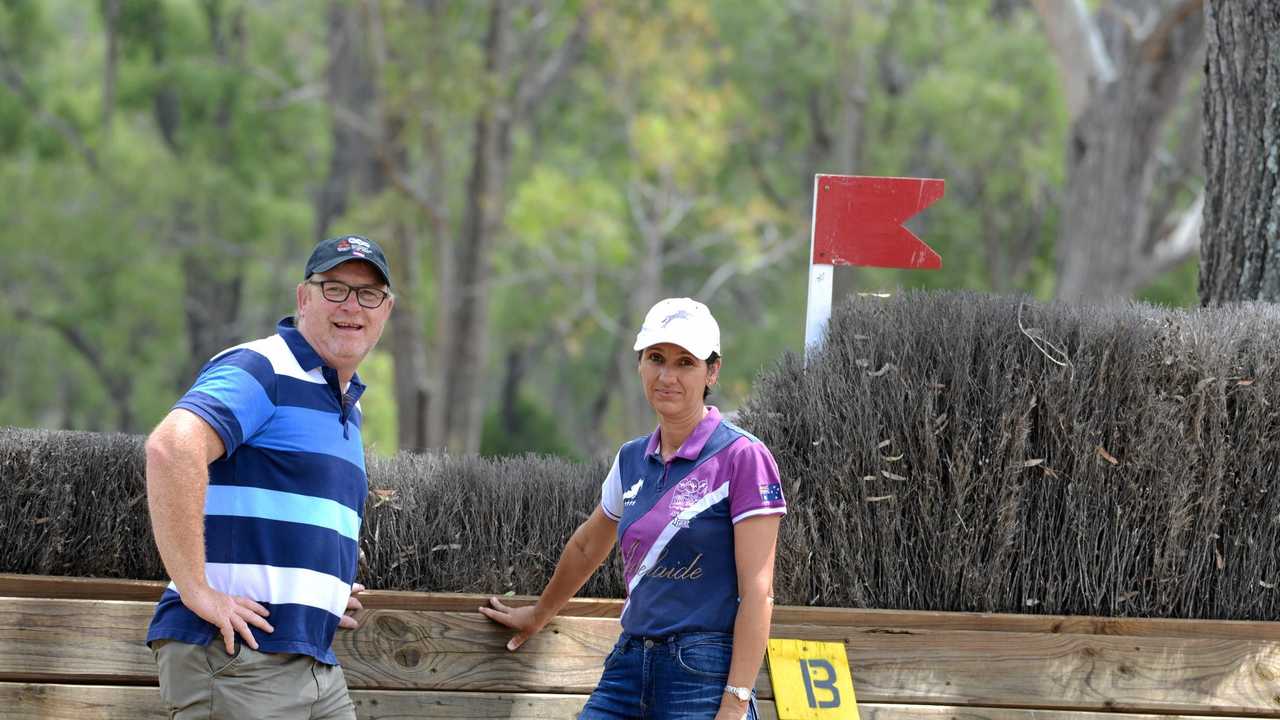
<point x="965" y="452"/>
<point x="944" y="451"/>
<point x="472" y="524"/>
<point x="74" y="503"/>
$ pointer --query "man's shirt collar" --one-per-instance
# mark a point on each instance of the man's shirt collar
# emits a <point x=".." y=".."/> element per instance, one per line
<point x="306" y="355"/>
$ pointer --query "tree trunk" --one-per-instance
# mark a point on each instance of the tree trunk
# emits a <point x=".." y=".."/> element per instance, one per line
<point x="592" y="437"/>
<point x="212" y="270"/>
<point x="1103" y="251"/>
<point x="517" y="366"/>
<point x="460" y="343"/>
<point x="408" y="346"/>
<point x="486" y="188"/>
<point x="852" y="102"/>
<point x="211" y="302"/>
<point x="443" y="339"/>
<point x="368" y="153"/>
<point x="1110" y="172"/>
<point x="1240" y="259"/>
<point x="353" y="92"/>
<point x="1083" y="61"/>
<point x="654" y="212"/>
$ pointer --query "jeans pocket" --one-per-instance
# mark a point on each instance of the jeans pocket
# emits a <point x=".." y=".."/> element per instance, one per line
<point x="709" y="658"/>
<point x="218" y="659"/>
<point x="615" y="654"/>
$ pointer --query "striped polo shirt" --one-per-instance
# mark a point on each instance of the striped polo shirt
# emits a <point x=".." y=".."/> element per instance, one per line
<point x="676" y="524"/>
<point x="284" y="505"/>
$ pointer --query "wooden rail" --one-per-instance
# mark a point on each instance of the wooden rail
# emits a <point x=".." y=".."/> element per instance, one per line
<point x="66" y="651"/>
<point x="54" y="587"/>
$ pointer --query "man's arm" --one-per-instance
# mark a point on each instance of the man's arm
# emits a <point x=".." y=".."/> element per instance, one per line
<point x="179" y="451"/>
<point x="587" y="548"/>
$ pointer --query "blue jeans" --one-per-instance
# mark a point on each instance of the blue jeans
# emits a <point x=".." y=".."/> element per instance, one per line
<point x="674" y="678"/>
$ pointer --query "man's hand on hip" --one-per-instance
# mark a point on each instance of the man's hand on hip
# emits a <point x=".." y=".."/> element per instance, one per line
<point x="348" y="620"/>
<point x="230" y="614"/>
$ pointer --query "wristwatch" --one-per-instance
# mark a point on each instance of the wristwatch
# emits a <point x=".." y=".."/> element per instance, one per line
<point x="742" y="693"/>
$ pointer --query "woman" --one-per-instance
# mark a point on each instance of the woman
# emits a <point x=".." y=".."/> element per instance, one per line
<point x="696" y="506"/>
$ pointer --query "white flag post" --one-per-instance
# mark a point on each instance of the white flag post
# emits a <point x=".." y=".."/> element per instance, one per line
<point x="818" y="306"/>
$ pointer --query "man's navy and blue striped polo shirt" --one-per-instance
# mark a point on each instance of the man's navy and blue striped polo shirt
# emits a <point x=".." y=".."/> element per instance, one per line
<point x="284" y="505"/>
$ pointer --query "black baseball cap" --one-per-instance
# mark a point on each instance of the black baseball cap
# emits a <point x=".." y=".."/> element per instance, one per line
<point x="331" y="253"/>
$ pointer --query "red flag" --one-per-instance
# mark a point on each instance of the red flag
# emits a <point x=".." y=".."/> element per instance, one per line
<point x="858" y="221"/>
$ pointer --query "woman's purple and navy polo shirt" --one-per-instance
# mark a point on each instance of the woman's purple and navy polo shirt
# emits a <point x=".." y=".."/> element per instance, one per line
<point x="675" y="524"/>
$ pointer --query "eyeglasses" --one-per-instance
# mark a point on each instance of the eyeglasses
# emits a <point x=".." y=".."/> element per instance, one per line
<point x="336" y="291"/>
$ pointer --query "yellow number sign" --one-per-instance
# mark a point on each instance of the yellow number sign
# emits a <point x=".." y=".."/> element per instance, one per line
<point x="811" y="680"/>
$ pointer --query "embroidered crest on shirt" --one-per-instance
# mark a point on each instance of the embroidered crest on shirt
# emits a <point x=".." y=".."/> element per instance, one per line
<point x="771" y="492"/>
<point x="689" y="491"/>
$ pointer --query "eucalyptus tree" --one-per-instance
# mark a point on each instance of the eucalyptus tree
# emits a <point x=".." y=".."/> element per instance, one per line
<point x="1242" y="153"/>
<point x="1131" y="210"/>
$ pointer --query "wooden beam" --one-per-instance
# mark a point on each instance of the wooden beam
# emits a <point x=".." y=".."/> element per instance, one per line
<point x="882" y="711"/>
<point x="467" y="652"/>
<point x="51" y="587"/>
<point x="100" y="642"/>
<point x="98" y="702"/>
<point x="79" y="588"/>
<point x="101" y="702"/>
<point x="75" y="640"/>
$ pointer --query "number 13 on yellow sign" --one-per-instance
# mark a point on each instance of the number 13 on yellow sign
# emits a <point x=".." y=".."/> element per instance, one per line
<point x="811" y="680"/>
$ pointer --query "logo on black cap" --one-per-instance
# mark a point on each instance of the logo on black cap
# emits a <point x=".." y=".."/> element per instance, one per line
<point x="331" y="253"/>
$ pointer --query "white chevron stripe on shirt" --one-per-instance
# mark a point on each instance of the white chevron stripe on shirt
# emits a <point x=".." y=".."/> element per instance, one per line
<point x="668" y="532"/>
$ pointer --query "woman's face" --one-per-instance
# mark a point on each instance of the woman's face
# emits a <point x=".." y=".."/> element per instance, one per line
<point x="674" y="379"/>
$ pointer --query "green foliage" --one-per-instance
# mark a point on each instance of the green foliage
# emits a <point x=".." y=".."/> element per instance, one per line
<point x="531" y="429"/>
<point x="378" y="404"/>
<point x="694" y="125"/>
<point x="1176" y="288"/>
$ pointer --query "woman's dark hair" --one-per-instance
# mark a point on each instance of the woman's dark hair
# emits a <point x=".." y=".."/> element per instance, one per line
<point x="715" y="357"/>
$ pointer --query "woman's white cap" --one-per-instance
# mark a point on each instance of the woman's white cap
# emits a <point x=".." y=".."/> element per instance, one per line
<point x="684" y="322"/>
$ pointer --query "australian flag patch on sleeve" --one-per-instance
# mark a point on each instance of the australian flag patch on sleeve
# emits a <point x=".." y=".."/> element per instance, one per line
<point x="771" y="492"/>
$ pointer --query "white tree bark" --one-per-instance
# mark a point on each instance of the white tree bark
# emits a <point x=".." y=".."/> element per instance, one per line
<point x="1082" y="57"/>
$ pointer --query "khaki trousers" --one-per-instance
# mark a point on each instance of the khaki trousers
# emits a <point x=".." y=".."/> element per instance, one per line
<point x="205" y="683"/>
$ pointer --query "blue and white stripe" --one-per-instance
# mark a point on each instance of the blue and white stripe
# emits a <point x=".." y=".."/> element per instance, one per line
<point x="284" y="505"/>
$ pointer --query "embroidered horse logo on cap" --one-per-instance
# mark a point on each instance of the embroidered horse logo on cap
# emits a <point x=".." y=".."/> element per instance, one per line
<point x="677" y="315"/>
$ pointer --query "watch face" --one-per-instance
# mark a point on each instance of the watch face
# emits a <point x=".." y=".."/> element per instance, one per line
<point x="740" y="693"/>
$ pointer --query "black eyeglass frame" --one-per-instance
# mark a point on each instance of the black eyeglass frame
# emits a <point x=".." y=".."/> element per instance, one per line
<point x="381" y="294"/>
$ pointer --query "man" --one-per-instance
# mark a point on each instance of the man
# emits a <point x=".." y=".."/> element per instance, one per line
<point x="256" y="486"/>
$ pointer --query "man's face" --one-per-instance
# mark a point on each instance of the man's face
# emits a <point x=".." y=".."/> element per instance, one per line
<point x="342" y="332"/>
